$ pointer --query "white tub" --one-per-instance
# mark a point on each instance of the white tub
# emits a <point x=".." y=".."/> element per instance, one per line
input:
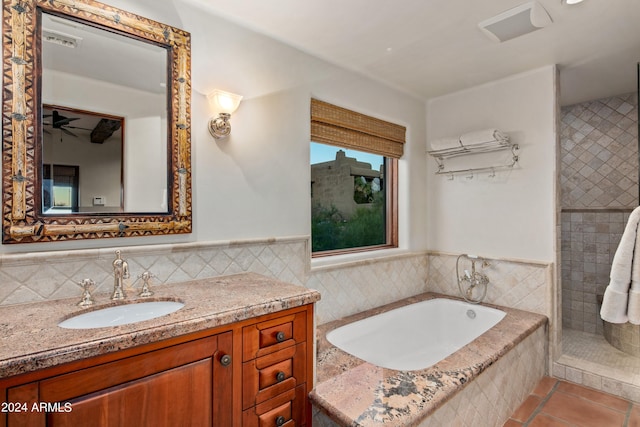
<point x="415" y="336"/>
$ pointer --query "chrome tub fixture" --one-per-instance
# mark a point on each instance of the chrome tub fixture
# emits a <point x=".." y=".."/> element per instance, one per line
<point x="472" y="284"/>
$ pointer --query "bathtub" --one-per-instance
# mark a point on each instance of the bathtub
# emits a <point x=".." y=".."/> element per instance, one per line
<point x="396" y="339"/>
<point x="484" y="376"/>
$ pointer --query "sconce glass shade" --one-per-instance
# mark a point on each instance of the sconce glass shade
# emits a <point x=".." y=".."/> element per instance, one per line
<point x="224" y="103"/>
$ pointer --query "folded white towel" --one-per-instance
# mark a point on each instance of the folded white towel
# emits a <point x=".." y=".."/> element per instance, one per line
<point x="483" y="136"/>
<point x="633" y="306"/>
<point x="623" y="258"/>
<point x="445" y="143"/>
<point x="625" y="273"/>
<point x="614" y="306"/>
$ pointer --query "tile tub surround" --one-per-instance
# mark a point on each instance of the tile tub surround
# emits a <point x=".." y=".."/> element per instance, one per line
<point x="30" y="338"/>
<point x="357" y="393"/>
<point x="354" y="287"/>
<point x="525" y="285"/>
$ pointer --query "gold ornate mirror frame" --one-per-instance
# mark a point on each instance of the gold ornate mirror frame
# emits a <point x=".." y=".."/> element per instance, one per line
<point x="22" y="220"/>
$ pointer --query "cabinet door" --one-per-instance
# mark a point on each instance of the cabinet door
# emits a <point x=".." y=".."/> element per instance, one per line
<point x="181" y="385"/>
<point x="177" y="397"/>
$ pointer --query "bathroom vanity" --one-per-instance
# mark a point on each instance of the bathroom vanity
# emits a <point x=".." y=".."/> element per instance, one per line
<point x="240" y="352"/>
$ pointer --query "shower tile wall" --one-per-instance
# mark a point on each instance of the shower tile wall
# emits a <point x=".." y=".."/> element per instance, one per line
<point x="589" y="241"/>
<point x="599" y="187"/>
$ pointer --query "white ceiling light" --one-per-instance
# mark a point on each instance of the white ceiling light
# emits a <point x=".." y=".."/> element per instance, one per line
<point x="516" y="22"/>
<point x="571" y="1"/>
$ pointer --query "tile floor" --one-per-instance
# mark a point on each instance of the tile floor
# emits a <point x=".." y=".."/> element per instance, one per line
<point x="556" y="403"/>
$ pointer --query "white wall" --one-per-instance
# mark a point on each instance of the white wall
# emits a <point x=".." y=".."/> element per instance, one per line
<point x="510" y="215"/>
<point x="256" y="183"/>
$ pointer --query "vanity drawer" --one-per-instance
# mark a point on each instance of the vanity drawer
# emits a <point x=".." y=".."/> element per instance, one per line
<point x="273" y="374"/>
<point x="284" y="410"/>
<point x="273" y="335"/>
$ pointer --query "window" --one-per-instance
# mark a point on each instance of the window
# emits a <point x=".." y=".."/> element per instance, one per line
<point x="353" y="180"/>
<point x="60" y="189"/>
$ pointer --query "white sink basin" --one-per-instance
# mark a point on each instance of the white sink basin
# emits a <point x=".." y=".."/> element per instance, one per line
<point x="121" y="315"/>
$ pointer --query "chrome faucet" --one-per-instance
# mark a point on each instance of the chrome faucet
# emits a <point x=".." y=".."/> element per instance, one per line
<point x="120" y="272"/>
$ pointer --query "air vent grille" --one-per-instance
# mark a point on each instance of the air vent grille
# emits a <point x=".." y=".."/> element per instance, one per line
<point x="61" y="39"/>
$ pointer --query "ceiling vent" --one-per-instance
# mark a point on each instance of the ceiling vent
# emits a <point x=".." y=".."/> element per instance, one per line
<point x="60" y="38"/>
<point x="515" y="22"/>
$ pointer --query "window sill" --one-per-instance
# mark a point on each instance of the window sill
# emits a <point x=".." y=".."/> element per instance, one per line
<point x="343" y="260"/>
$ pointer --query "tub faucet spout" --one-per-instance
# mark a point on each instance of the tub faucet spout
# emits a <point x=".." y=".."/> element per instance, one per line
<point x="120" y="272"/>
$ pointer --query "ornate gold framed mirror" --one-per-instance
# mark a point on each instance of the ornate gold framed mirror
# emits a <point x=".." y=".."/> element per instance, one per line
<point x="122" y="65"/>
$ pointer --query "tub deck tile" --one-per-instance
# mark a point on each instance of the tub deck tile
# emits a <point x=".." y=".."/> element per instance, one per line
<point x="353" y="392"/>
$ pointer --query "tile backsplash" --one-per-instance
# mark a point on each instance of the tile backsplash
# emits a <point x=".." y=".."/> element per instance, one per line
<point x="345" y="288"/>
<point x="43" y="276"/>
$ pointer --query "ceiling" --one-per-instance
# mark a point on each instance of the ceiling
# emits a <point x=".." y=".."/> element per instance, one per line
<point x="93" y="56"/>
<point x="433" y="47"/>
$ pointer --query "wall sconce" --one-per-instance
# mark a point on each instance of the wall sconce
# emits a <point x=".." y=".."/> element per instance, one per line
<point x="225" y="104"/>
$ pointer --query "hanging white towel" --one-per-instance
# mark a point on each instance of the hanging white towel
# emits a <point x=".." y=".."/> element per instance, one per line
<point x="621" y="301"/>
<point x="484" y="137"/>
<point x="445" y="143"/>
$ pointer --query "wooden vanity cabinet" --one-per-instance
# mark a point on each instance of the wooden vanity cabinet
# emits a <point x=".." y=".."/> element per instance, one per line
<point x="244" y="374"/>
<point x="276" y="372"/>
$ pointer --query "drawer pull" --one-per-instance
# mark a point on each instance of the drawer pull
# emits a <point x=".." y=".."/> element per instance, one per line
<point x="280" y="336"/>
<point x="225" y="360"/>
<point x="280" y="376"/>
<point x="280" y="421"/>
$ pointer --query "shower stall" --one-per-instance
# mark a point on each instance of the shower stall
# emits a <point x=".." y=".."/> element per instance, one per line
<point x="598" y="190"/>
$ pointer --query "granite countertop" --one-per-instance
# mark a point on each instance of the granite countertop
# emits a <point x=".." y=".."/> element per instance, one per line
<point x="31" y="339"/>
<point x="357" y="393"/>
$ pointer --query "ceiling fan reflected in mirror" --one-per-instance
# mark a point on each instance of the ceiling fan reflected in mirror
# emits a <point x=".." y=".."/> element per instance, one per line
<point x="61" y="122"/>
<point x="101" y="128"/>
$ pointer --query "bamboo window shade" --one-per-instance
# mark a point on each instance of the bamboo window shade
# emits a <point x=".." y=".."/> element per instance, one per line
<point x="335" y="125"/>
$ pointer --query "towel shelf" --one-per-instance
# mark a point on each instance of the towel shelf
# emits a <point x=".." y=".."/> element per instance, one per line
<point x="461" y="151"/>
<point x="441" y="155"/>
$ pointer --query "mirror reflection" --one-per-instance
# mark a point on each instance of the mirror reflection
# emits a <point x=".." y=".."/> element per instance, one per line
<point x="93" y="83"/>
<point x="81" y="161"/>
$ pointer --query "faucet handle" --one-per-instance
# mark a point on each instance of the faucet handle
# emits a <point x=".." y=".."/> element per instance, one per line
<point x="146" y="291"/>
<point x="87" y="299"/>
